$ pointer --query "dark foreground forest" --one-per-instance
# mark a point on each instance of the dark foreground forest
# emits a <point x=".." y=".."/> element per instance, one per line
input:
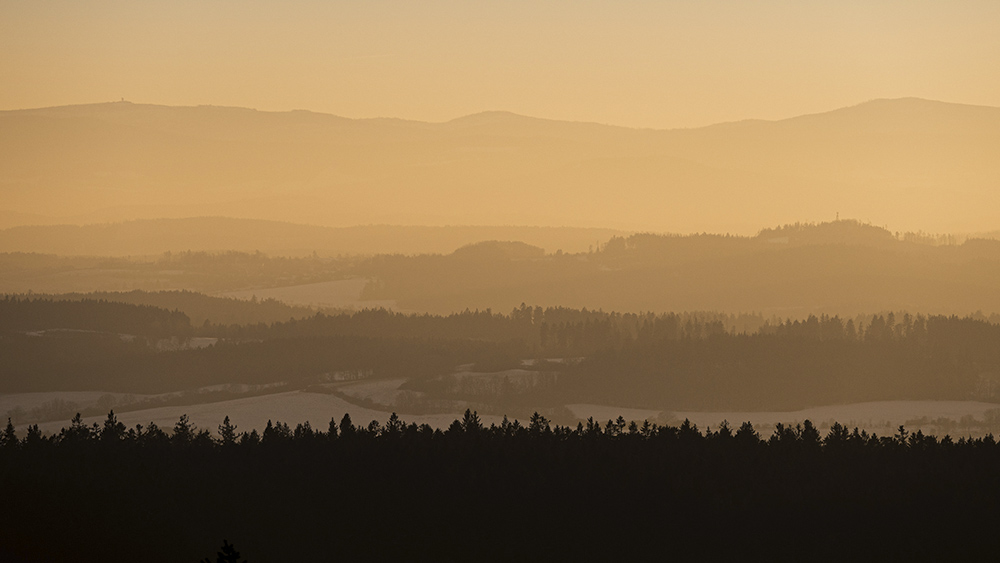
<point x="397" y="492"/>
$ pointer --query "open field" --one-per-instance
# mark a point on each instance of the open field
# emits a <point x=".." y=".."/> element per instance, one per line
<point x="882" y="417"/>
<point x="958" y="418"/>
<point x="253" y="413"/>
<point x="13" y="405"/>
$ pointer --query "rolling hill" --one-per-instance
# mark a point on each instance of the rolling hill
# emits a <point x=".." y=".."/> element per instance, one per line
<point x="276" y="238"/>
<point x="915" y="164"/>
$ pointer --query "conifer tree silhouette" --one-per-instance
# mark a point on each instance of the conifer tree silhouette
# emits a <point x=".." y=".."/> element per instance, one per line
<point x="228" y="554"/>
<point x="9" y="438"/>
<point x="227" y="431"/>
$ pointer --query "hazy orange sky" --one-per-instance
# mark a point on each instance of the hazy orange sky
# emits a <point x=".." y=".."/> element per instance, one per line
<point x="657" y="63"/>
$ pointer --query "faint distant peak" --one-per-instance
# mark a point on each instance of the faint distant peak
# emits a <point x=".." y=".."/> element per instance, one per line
<point x="119" y="106"/>
<point x="871" y="110"/>
<point x="499" y="249"/>
<point x="491" y="117"/>
<point x="498" y="121"/>
<point x="914" y="102"/>
<point x="902" y="104"/>
<point x="899" y="107"/>
<point x="905" y="100"/>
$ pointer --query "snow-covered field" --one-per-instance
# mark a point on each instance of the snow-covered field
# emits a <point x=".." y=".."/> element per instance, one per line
<point x="512" y="374"/>
<point x="25" y="408"/>
<point x="26" y="402"/>
<point x="882" y="417"/>
<point x="957" y="418"/>
<point x="379" y="391"/>
<point x="192" y="343"/>
<point x="604" y="413"/>
<point x="339" y="294"/>
<point x="248" y="413"/>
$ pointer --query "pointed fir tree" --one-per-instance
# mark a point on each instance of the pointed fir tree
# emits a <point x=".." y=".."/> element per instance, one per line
<point x="227" y="432"/>
<point x="227" y="554"/>
<point x="9" y="438"/>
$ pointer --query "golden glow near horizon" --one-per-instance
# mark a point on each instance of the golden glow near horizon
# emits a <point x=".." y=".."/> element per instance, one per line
<point x="655" y="64"/>
<point x="908" y="164"/>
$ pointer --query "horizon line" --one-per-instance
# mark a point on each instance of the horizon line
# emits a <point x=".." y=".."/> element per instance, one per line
<point x="496" y="112"/>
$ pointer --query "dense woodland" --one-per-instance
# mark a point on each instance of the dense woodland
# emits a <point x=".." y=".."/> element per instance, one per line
<point x="198" y="307"/>
<point x="396" y="491"/>
<point x="834" y="268"/>
<point x="594" y="490"/>
<point x="694" y="361"/>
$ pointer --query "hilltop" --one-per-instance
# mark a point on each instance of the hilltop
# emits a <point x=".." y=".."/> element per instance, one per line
<point x="916" y="164"/>
<point x="278" y="238"/>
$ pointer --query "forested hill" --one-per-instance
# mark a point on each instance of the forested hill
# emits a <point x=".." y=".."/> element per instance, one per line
<point x="842" y="267"/>
<point x="276" y="238"/>
<point x="665" y="362"/>
<point x="392" y="491"/>
<point x="198" y="307"/>
<point x="32" y="314"/>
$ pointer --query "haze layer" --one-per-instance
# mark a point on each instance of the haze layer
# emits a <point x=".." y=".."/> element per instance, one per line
<point x="910" y="163"/>
<point x="641" y="63"/>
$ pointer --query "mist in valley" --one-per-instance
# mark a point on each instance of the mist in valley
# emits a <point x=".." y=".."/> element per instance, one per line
<point x="540" y="281"/>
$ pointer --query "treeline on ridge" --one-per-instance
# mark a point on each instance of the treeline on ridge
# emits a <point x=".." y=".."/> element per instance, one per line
<point x="839" y="267"/>
<point x="35" y="314"/>
<point x="198" y="307"/>
<point x="692" y="361"/>
<point x="108" y="364"/>
<point x="394" y="490"/>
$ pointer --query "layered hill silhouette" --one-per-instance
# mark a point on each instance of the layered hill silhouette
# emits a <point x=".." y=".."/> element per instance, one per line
<point x="276" y="238"/>
<point x="840" y="267"/>
<point x="911" y="163"/>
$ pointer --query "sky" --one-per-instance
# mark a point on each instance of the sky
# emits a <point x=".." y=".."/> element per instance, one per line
<point x="638" y="63"/>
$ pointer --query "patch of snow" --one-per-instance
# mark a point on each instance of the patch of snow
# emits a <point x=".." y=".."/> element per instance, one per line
<point x="337" y="294"/>
<point x="881" y="417"/>
<point x="379" y="391"/>
<point x="249" y="413"/>
<point x="877" y="416"/>
<point x="192" y="343"/>
<point x="604" y="413"/>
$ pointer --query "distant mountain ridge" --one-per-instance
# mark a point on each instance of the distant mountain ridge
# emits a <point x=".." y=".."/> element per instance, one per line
<point x="219" y="234"/>
<point x="917" y="164"/>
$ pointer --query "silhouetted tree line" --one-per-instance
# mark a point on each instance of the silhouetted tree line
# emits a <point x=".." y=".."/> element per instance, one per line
<point x="398" y="491"/>
<point x="197" y="306"/>
<point x="233" y="269"/>
<point x="48" y="364"/>
<point x="559" y="331"/>
<point x="800" y="268"/>
<point x="822" y="360"/>
<point x="33" y="314"/>
<point x="132" y="313"/>
<point x="685" y="361"/>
